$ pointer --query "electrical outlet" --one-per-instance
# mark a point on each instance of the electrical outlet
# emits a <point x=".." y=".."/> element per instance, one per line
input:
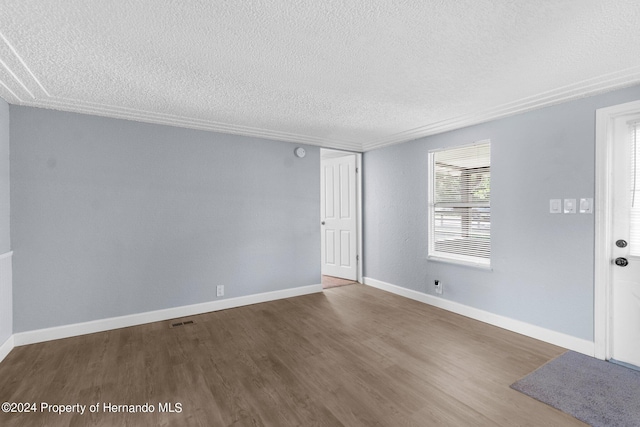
<point x="437" y="284"/>
<point x="220" y="290"/>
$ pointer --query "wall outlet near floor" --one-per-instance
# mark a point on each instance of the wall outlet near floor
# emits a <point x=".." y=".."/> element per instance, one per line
<point x="437" y="284"/>
<point x="220" y="291"/>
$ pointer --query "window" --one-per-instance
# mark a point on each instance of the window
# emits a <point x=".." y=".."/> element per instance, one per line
<point x="459" y="204"/>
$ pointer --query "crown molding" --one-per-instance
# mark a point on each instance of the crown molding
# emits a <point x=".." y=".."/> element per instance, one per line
<point x="126" y="113"/>
<point x="21" y="86"/>
<point x="582" y="89"/>
<point x="18" y="72"/>
<point x="24" y="88"/>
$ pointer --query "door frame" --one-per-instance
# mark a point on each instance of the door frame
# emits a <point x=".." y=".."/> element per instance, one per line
<point x="359" y="268"/>
<point x="602" y="293"/>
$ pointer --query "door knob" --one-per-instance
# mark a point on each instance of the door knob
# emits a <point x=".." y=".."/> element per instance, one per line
<point x="621" y="262"/>
<point x="322" y="223"/>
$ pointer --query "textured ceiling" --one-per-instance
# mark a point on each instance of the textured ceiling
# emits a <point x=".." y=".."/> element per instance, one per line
<point x="354" y="75"/>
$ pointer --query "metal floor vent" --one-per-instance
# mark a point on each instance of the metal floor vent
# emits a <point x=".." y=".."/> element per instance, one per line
<point x="184" y="323"/>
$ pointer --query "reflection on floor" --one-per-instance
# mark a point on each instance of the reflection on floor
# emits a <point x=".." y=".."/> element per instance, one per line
<point x="334" y="282"/>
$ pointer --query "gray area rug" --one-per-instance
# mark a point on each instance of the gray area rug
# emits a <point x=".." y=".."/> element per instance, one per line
<point x="594" y="391"/>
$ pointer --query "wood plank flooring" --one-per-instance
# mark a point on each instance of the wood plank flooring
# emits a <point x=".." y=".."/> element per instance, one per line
<point x="351" y="356"/>
<point x="333" y="282"/>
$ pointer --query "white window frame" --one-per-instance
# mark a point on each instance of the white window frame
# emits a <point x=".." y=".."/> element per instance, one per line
<point x="433" y="254"/>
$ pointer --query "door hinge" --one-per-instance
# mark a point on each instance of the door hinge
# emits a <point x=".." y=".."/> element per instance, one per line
<point x="357" y="257"/>
<point x="356" y="170"/>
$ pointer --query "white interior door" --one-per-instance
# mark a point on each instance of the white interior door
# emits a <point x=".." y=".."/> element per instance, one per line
<point x="339" y="217"/>
<point x="625" y="244"/>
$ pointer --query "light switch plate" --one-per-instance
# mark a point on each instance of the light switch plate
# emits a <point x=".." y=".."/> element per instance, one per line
<point x="555" y="206"/>
<point x="586" y="206"/>
<point x="570" y="206"/>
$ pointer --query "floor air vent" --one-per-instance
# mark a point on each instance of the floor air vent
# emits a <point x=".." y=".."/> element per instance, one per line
<point x="183" y="323"/>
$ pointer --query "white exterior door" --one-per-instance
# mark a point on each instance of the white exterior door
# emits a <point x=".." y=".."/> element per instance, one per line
<point x="339" y="217"/>
<point x="625" y="244"/>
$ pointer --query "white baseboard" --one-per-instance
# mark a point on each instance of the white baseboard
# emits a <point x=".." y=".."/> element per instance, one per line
<point x="6" y="302"/>
<point x="66" y="331"/>
<point x="563" y="340"/>
<point x="6" y="348"/>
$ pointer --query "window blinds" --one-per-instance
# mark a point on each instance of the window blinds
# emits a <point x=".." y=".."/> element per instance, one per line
<point x="460" y="223"/>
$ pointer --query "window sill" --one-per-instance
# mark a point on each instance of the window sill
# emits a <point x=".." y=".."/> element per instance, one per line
<point x="460" y="262"/>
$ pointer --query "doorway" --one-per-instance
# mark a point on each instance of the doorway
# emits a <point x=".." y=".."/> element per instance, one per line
<point x="617" y="243"/>
<point x="340" y="217"/>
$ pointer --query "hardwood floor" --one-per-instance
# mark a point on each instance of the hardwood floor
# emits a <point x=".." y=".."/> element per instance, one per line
<point x="351" y="356"/>
<point x="333" y="282"/>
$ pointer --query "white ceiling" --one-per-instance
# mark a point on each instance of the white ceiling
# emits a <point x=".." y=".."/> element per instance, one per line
<point x="353" y="75"/>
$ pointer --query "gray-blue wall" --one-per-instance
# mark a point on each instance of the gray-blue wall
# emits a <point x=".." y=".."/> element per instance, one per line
<point x="6" y="303"/>
<point x="5" y="240"/>
<point x="113" y="217"/>
<point x="542" y="264"/>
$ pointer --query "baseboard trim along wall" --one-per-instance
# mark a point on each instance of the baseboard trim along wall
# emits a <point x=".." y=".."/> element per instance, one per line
<point x="6" y="304"/>
<point x="563" y="340"/>
<point x="66" y="331"/>
<point x="6" y="348"/>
